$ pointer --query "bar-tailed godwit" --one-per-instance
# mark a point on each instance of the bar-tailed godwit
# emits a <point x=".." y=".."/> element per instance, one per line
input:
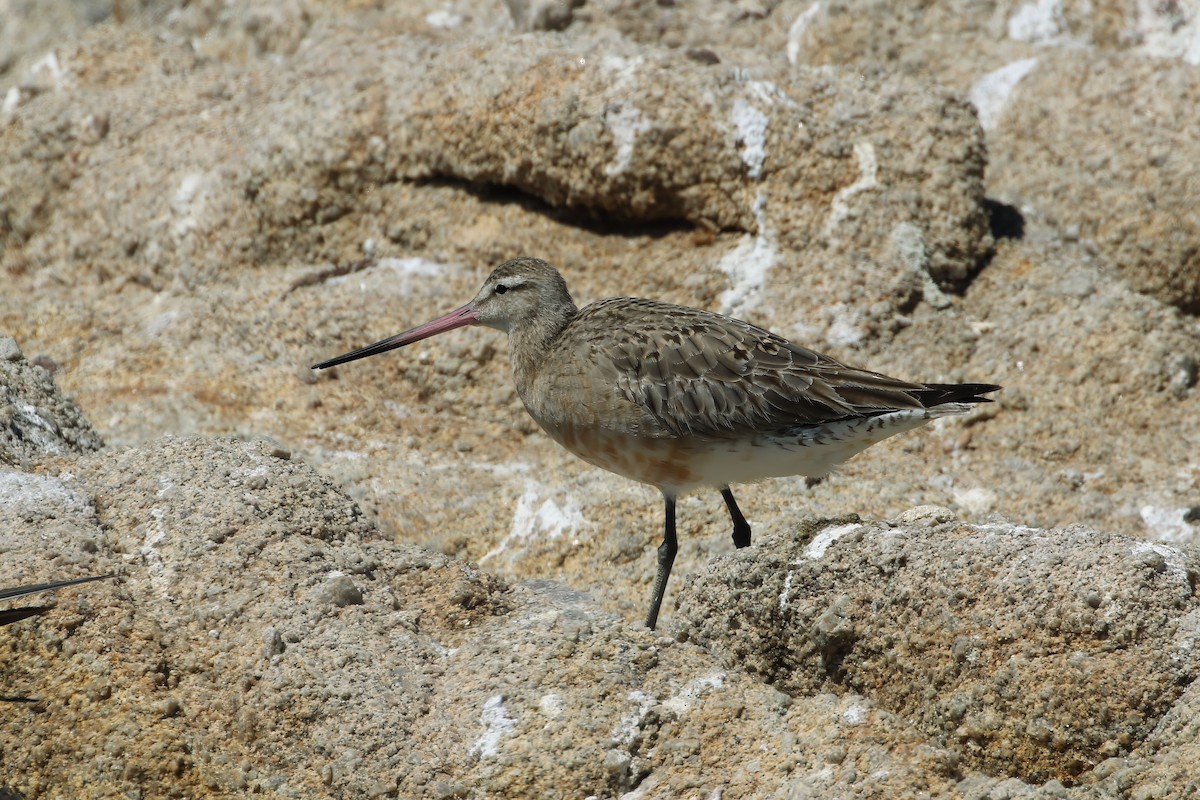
<point x="680" y="398"/>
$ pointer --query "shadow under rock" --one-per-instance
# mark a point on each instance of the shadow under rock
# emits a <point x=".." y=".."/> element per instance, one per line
<point x="592" y="220"/>
<point x="1005" y="221"/>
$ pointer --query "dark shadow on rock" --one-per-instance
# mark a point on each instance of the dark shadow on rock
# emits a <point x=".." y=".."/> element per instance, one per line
<point x="591" y="220"/>
<point x="1005" y="221"/>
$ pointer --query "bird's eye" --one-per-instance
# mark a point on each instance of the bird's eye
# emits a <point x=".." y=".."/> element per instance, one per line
<point x="501" y="288"/>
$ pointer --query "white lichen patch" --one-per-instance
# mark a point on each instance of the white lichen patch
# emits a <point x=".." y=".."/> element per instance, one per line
<point x="844" y="328"/>
<point x="856" y="714"/>
<point x="1039" y="22"/>
<point x="41" y="430"/>
<point x="1007" y="527"/>
<point x="624" y="121"/>
<point x="748" y="264"/>
<point x="990" y="93"/>
<point x="189" y="203"/>
<point x="551" y="705"/>
<point x="24" y="493"/>
<point x="820" y="543"/>
<point x="535" y="517"/>
<point x="1168" y="524"/>
<point x="796" y="31"/>
<point x="497" y="725"/>
<point x="405" y="275"/>
<point x="621" y="70"/>
<point x="443" y="19"/>
<point x="1169" y="29"/>
<point x="868" y="170"/>
<point x="12" y="99"/>
<point x="50" y="65"/>
<point x="627" y="726"/>
<point x="406" y="269"/>
<point x="693" y="690"/>
<point x="751" y="125"/>
<point x="786" y="594"/>
<point x="156" y="567"/>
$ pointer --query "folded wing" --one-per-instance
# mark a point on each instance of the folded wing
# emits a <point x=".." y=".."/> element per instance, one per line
<point x="702" y="374"/>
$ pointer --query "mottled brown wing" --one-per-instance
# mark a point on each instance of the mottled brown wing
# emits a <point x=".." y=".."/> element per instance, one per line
<point x="699" y="373"/>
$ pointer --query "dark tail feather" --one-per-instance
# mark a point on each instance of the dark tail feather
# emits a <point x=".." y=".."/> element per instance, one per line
<point x="936" y="394"/>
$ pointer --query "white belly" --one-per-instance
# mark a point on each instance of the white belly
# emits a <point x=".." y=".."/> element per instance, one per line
<point x="680" y="465"/>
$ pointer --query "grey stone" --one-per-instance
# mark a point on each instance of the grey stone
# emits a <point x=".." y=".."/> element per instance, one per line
<point x="9" y="349"/>
<point x="36" y="420"/>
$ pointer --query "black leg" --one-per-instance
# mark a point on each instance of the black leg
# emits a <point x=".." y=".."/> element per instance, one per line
<point x="666" y="557"/>
<point x="741" y="528"/>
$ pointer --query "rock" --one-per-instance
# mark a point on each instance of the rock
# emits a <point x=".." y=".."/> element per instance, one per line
<point x="9" y="349"/>
<point x="66" y="516"/>
<point x="931" y="42"/>
<point x="192" y="615"/>
<point x="925" y="516"/>
<point x="696" y="26"/>
<point x="215" y="667"/>
<point x="1109" y="160"/>
<point x="1088" y="389"/>
<point x="542" y="15"/>
<point x="799" y="157"/>
<point x="981" y="635"/>
<point x="1128" y="178"/>
<point x="36" y="419"/>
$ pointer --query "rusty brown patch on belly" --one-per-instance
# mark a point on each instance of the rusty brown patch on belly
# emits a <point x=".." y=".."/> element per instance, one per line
<point x="654" y="461"/>
<point x="667" y="466"/>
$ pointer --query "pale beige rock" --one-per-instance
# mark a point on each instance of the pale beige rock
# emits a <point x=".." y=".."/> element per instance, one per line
<point x="1113" y="162"/>
<point x="797" y="159"/>
<point x="1089" y="109"/>
<point x="800" y="158"/>
<point x="1095" y="642"/>
<point x="956" y="42"/>
<point x="219" y="663"/>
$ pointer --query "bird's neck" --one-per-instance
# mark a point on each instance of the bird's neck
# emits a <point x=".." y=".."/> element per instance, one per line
<point x="530" y="341"/>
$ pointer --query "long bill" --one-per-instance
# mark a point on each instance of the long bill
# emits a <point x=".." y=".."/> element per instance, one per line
<point x="458" y="318"/>
<point x="21" y="591"/>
